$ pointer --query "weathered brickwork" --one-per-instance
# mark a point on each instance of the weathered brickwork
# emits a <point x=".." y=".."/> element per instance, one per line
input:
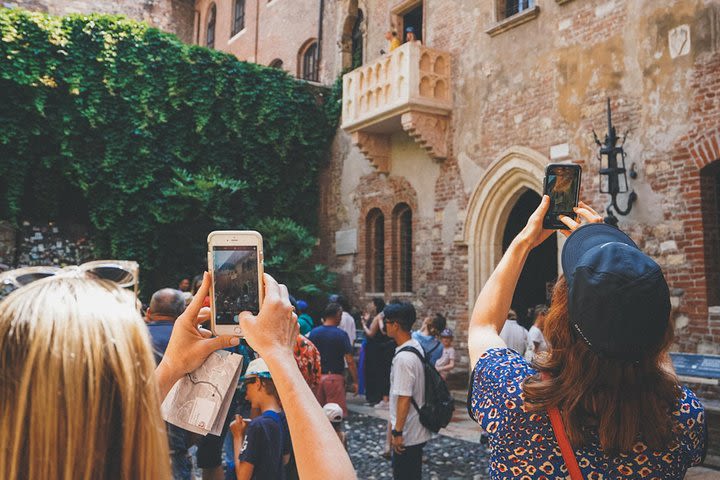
<point x="275" y="30"/>
<point x="540" y="85"/>
<point x="518" y="96"/>
<point x="174" y="16"/>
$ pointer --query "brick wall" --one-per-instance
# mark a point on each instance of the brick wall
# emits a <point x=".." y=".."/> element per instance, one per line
<point x="545" y="83"/>
<point x="174" y="16"/>
<point x="275" y="30"/>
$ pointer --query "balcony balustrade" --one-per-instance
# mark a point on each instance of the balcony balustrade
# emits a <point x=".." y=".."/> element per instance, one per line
<point x="407" y="90"/>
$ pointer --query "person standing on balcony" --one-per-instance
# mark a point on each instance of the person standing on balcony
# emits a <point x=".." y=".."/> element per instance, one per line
<point x="392" y="37"/>
<point x="410" y="35"/>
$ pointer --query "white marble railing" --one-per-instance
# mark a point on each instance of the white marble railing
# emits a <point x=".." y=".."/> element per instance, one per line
<point x="412" y="77"/>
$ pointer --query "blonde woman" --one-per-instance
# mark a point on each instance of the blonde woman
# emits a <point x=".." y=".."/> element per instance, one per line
<point x="79" y="393"/>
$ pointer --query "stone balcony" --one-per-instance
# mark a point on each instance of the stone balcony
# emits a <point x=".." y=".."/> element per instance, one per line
<point x="406" y="90"/>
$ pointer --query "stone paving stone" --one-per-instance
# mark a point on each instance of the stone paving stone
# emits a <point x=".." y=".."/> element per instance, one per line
<point x="444" y="457"/>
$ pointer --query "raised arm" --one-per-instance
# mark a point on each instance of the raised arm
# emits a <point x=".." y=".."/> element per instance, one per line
<point x="372" y="330"/>
<point x="493" y="303"/>
<point x="272" y="334"/>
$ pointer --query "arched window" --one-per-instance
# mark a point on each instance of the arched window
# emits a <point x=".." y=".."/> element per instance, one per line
<point x="309" y="66"/>
<point x="710" y="201"/>
<point x="357" y="41"/>
<point x="402" y="248"/>
<point x="210" y="35"/>
<point x="277" y="63"/>
<point x="375" y="251"/>
<point x="238" y="17"/>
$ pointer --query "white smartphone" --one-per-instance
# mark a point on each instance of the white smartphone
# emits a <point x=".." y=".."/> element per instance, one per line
<point x="235" y="261"/>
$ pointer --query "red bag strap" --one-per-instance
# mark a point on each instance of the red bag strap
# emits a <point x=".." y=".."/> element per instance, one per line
<point x="565" y="448"/>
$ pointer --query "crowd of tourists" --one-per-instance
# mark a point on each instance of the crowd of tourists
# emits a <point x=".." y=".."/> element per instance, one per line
<point x="589" y="392"/>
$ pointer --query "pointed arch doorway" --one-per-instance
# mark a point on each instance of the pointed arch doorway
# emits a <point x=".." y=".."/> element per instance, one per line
<point x="513" y="180"/>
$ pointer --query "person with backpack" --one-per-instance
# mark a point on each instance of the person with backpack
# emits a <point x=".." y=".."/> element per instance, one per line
<point x="407" y="383"/>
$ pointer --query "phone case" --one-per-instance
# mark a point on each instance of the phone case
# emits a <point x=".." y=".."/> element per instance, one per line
<point x="215" y="238"/>
<point x="552" y="222"/>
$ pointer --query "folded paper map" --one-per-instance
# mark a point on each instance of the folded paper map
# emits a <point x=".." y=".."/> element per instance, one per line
<point x="200" y="401"/>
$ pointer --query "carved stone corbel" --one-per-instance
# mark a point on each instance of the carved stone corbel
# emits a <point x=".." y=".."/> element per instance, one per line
<point x="429" y="131"/>
<point x="375" y="147"/>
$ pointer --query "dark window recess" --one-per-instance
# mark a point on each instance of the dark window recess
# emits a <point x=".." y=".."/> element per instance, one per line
<point x="508" y="8"/>
<point x="375" y="252"/>
<point x="404" y="248"/>
<point x="710" y="198"/>
<point x="210" y="38"/>
<point x="357" y="41"/>
<point x="310" y="67"/>
<point x="414" y="19"/>
<point x="277" y="63"/>
<point x="238" y="17"/>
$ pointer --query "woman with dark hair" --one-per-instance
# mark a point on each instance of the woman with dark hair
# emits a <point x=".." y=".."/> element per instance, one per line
<point x="604" y="402"/>
<point x="377" y="356"/>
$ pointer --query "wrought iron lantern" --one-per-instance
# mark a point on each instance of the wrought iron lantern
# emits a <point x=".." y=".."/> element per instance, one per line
<point x="613" y="174"/>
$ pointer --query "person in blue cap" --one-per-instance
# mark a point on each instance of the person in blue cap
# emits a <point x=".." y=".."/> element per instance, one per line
<point x="410" y="35"/>
<point x="262" y="446"/>
<point x="305" y="321"/>
<point x="604" y="402"/>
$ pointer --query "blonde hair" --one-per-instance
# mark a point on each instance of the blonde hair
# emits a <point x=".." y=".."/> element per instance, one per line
<point x="77" y="388"/>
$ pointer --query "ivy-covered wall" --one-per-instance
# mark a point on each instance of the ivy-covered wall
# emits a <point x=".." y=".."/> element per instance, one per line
<point x="155" y="142"/>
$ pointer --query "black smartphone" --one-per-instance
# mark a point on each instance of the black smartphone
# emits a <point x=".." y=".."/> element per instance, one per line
<point x="562" y="185"/>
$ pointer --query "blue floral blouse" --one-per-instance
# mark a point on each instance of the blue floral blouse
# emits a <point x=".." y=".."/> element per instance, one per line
<point x="523" y="444"/>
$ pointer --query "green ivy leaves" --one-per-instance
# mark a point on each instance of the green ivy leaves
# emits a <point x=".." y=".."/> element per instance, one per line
<point x="164" y="141"/>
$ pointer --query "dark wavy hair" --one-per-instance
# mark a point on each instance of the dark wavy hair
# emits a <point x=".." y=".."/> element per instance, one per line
<point x="625" y="401"/>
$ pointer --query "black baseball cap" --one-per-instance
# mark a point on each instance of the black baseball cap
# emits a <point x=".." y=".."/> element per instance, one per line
<point x="618" y="299"/>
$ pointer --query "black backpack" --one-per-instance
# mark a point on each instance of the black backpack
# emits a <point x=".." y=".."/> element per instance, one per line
<point x="439" y="404"/>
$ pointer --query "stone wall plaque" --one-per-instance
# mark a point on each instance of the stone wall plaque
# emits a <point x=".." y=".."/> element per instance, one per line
<point x="346" y="242"/>
<point x="679" y="41"/>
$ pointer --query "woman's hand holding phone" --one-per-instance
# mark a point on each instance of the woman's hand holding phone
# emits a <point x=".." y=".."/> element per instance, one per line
<point x="584" y="212"/>
<point x="190" y="344"/>
<point x="275" y="328"/>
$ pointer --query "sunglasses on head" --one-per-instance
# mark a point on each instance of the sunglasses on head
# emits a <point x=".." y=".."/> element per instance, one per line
<point x="125" y="273"/>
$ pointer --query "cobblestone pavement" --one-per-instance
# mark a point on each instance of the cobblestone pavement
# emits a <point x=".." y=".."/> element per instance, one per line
<point x="445" y="458"/>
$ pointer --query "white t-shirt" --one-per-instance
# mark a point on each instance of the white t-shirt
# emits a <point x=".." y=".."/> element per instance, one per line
<point x="515" y="336"/>
<point x="407" y="378"/>
<point x="347" y="323"/>
<point x="536" y="336"/>
<point x="447" y="356"/>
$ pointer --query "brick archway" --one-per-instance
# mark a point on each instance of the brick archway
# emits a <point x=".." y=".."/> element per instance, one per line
<point x="706" y="149"/>
<point x="515" y="171"/>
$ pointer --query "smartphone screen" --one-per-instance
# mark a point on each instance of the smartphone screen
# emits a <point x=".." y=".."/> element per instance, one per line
<point x="562" y="185"/>
<point x="236" y="282"/>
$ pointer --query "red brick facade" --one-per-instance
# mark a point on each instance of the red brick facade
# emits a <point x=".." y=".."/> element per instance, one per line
<point x="542" y="84"/>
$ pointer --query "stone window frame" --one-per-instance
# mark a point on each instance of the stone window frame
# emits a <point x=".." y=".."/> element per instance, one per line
<point x="211" y="21"/>
<point x="276" y="63"/>
<point x="305" y="63"/>
<point x="503" y="23"/>
<point x="398" y="11"/>
<point x="235" y="29"/>
<point x="375" y="251"/>
<point x="402" y="248"/>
